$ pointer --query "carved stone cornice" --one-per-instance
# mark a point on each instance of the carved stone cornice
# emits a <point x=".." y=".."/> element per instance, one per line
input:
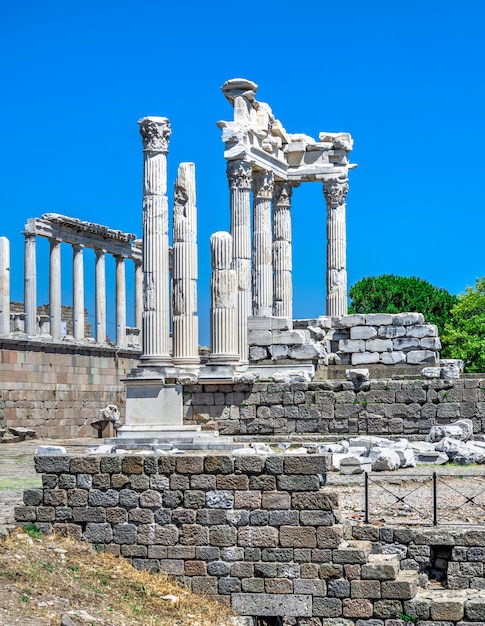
<point x="239" y="174"/>
<point x="335" y="191"/>
<point x="155" y="133"/>
<point x="263" y="184"/>
<point x="282" y="193"/>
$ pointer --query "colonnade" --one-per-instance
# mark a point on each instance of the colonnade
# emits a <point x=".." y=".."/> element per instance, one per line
<point x="81" y="236"/>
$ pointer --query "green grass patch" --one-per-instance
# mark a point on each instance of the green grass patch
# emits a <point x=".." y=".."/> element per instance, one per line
<point x="17" y="484"/>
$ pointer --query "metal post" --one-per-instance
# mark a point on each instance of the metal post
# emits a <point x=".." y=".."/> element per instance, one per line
<point x="366" y="498"/>
<point x="435" y="504"/>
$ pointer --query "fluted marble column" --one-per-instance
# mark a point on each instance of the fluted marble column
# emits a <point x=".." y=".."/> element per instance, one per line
<point x="224" y="332"/>
<point x="155" y="133"/>
<point x="100" y="291"/>
<point x="262" y="269"/>
<point x="30" y="284"/>
<point x="78" y="291"/>
<point x="239" y="176"/>
<point x="55" y="288"/>
<point x="4" y="286"/>
<point x="282" y="253"/>
<point x="120" y="301"/>
<point x="184" y="273"/>
<point x="335" y="191"/>
<point x="138" y="295"/>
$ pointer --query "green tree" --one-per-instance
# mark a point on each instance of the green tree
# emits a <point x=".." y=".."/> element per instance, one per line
<point x="464" y="334"/>
<point x="397" y="294"/>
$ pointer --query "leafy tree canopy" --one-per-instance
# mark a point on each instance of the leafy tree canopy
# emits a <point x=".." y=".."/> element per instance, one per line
<point x="396" y="294"/>
<point x="464" y="334"/>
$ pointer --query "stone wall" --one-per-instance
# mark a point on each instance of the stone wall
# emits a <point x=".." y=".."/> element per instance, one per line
<point x="381" y="338"/>
<point x="338" y="408"/>
<point x="57" y="388"/>
<point x="258" y="532"/>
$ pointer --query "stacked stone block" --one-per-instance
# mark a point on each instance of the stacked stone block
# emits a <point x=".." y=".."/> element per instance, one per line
<point x="335" y="408"/>
<point x="260" y="533"/>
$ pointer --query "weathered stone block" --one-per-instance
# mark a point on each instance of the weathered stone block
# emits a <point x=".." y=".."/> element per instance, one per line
<point x="309" y="464"/>
<point x="365" y="589"/>
<point x="357" y="608"/>
<point x="265" y="604"/>
<point x="298" y="483"/>
<point x="475" y="609"/>
<point x="98" y="533"/>
<point x="222" y="536"/>
<point x="403" y="588"/>
<point x="354" y="552"/>
<point x="327" y="607"/>
<point x="297" y="537"/>
<point x="327" y="501"/>
<point x="338" y="588"/>
<point x="247" y="499"/>
<point x="447" y="608"/>
<point x="329" y="536"/>
<point x="330" y="570"/>
<point x="380" y="567"/>
<point x="124" y="533"/>
<point x="52" y="464"/>
<point x="251" y="536"/>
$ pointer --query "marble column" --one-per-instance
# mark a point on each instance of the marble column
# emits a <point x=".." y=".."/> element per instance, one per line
<point x="120" y="301"/>
<point x="138" y="295"/>
<point x="100" y="294"/>
<point x="184" y="273"/>
<point x="282" y="253"/>
<point x="262" y="269"/>
<point x="155" y="133"/>
<point x="55" y="288"/>
<point x="239" y="176"/>
<point x="224" y="335"/>
<point x="335" y="192"/>
<point x="30" y="284"/>
<point x="4" y="286"/>
<point x="78" y="291"/>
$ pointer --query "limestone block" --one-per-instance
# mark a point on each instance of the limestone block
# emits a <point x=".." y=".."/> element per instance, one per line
<point x="352" y="552"/>
<point x="405" y="343"/>
<point x="447" y="608"/>
<point x="262" y="604"/>
<point x="431" y="372"/>
<point x="391" y="332"/>
<point x="259" y="322"/>
<point x="431" y="343"/>
<point x="363" y="332"/>
<point x="380" y="567"/>
<point x="379" y="319"/>
<point x="278" y="352"/>
<point x="257" y="353"/>
<point x="260" y="338"/>
<point x="416" y="357"/>
<point x="347" y="321"/>
<point x="408" y="319"/>
<point x="357" y="375"/>
<point x="305" y="351"/>
<point x="365" y="589"/>
<point x="392" y="358"/>
<point x="378" y="345"/>
<point x="424" y="330"/>
<point x="362" y="358"/>
<point x="290" y="337"/>
<point x="351" y="345"/>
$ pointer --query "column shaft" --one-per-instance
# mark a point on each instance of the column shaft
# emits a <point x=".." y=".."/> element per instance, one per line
<point x="55" y="289"/>
<point x="262" y="268"/>
<point x="282" y="252"/>
<point x="78" y="292"/>
<point x="155" y="132"/>
<point x="239" y="175"/>
<point x="224" y="335"/>
<point x="138" y="295"/>
<point x="335" y="191"/>
<point x="30" y="284"/>
<point x="4" y="286"/>
<point x="100" y="289"/>
<point x="120" y="301"/>
<point x="184" y="273"/>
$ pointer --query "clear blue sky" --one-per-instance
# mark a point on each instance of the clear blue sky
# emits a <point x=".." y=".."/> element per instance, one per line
<point x="406" y="79"/>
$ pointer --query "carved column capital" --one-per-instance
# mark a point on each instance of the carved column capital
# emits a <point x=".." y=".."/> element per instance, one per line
<point x="335" y="190"/>
<point x="239" y="174"/>
<point x="155" y="133"/>
<point x="282" y="193"/>
<point x="262" y="184"/>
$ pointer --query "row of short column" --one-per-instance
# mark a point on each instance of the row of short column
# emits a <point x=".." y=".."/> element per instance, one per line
<point x="30" y="292"/>
<point x="264" y="266"/>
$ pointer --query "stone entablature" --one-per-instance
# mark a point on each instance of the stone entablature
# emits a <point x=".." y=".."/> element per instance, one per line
<point x="260" y="533"/>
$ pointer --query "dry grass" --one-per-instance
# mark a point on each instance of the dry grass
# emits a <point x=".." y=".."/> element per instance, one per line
<point x="43" y="577"/>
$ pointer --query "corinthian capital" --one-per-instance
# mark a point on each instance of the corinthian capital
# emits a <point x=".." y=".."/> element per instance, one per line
<point x="155" y="133"/>
<point x="335" y="190"/>
<point x="263" y="183"/>
<point x="239" y="174"/>
<point x="282" y="193"/>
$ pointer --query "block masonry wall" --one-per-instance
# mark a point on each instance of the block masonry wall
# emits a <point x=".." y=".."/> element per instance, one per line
<point x="338" y="408"/>
<point x="57" y="388"/>
<point x="261" y="533"/>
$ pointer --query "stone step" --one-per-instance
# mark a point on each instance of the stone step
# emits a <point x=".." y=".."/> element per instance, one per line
<point x="380" y="567"/>
<point x="404" y="587"/>
<point x="352" y="552"/>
